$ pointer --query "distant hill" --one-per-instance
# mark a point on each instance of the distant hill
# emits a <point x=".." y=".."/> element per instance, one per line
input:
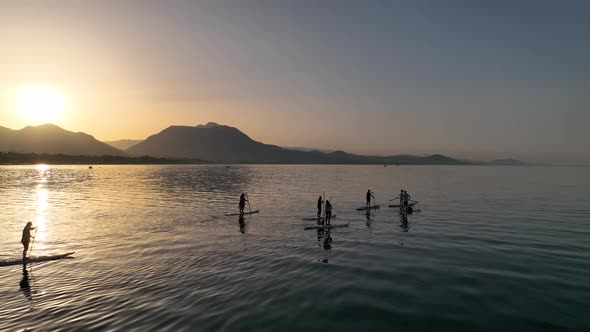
<point x="506" y="162"/>
<point x="123" y="144"/>
<point x="224" y="144"/>
<point x="52" y="139"/>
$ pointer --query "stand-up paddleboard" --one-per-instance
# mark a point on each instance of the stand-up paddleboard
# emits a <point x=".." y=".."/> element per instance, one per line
<point x="35" y="259"/>
<point x="326" y="226"/>
<point x="318" y="218"/>
<point x="369" y="208"/>
<point x="399" y="206"/>
<point x="237" y="214"/>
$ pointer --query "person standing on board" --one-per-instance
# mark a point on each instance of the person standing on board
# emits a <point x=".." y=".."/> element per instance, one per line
<point x="401" y="198"/>
<point x="27" y="238"/>
<point x="328" y="212"/>
<point x="320" y="202"/>
<point x="369" y="195"/>
<point x="406" y="199"/>
<point x="243" y="201"/>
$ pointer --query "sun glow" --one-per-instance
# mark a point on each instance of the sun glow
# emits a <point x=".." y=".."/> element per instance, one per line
<point x="40" y="104"/>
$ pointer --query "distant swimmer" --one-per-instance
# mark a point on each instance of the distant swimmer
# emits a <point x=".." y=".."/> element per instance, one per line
<point x="243" y="201"/>
<point x="320" y="202"/>
<point x="406" y="199"/>
<point x="27" y="238"/>
<point x="369" y="195"/>
<point x="328" y="212"/>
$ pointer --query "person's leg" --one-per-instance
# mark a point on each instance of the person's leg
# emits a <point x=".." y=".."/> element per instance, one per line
<point x="25" y="249"/>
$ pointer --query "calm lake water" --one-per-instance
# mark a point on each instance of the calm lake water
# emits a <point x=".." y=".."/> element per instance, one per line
<point x="491" y="249"/>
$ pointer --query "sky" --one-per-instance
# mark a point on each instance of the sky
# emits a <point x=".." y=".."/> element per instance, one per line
<point x="469" y="79"/>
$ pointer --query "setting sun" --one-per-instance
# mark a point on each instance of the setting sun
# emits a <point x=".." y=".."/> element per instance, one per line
<point x="39" y="104"/>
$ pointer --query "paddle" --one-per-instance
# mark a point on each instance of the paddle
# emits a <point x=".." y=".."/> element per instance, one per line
<point x="247" y="200"/>
<point x="394" y="199"/>
<point x="323" y="212"/>
<point x="32" y="243"/>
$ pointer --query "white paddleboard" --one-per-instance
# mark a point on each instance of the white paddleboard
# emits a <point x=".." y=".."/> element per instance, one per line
<point x="34" y="259"/>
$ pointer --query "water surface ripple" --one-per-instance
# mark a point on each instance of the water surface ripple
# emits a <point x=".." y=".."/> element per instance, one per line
<point x="492" y="249"/>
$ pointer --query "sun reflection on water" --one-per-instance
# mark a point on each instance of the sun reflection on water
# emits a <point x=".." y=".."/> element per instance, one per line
<point x="42" y="168"/>
<point x="41" y="202"/>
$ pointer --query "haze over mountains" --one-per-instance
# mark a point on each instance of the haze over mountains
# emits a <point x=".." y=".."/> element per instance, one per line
<point x="210" y="142"/>
<point x="123" y="144"/>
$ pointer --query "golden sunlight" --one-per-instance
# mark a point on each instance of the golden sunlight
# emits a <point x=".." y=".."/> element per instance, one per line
<point x="39" y="104"/>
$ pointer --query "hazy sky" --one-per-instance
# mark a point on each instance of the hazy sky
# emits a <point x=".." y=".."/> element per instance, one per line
<point x="479" y="79"/>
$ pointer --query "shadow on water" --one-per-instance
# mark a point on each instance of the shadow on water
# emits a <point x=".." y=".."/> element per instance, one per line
<point x="325" y="242"/>
<point x="242" y="223"/>
<point x="369" y="219"/>
<point x="324" y="237"/>
<point x="405" y="224"/>
<point x="404" y="220"/>
<point x="25" y="285"/>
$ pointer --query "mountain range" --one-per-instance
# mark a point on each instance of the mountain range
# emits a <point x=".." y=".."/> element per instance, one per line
<point x="210" y="142"/>
<point x="224" y="144"/>
<point x="52" y="139"/>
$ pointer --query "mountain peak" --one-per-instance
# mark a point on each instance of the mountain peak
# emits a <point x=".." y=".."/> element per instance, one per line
<point x="209" y="125"/>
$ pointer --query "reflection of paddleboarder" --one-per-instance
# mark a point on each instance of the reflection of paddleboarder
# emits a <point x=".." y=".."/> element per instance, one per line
<point x="25" y="286"/>
<point x="327" y="241"/>
<point x="243" y="201"/>
<point x="405" y="226"/>
<point x="27" y="238"/>
<point x="242" y="223"/>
